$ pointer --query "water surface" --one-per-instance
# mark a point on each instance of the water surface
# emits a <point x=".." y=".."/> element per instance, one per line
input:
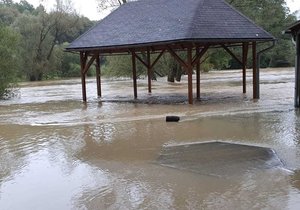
<point x="58" y="153"/>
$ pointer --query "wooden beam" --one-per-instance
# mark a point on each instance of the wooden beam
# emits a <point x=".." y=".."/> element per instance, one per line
<point x="199" y="55"/>
<point x="297" y="72"/>
<point x="190" y="74"/>
<point x="174" y="54"/>
<point x="88" y="65"/>
<point x="83" y="58"/>
<point x="98" y="76"/>
<point x="140" y="59"/>
<point x="134" y="75"/>
<point x="245" y="56"/>
<point x="188" y="67"/>
<point x="255" y="73"/>
<point x="198" y="76"/>
<point x="148" y="64"/>
<point x="158" y="57"/>
<point x="232" y="54"/>
<point x="149" y="70"/>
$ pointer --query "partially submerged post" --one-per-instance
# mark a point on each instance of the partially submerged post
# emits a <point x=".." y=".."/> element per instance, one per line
<point x="294" y="30"/>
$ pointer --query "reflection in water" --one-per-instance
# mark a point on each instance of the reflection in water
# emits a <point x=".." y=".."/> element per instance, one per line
<point x="57" y="153"/>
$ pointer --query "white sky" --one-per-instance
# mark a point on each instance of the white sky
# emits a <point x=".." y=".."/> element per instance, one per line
<point x="88" y="8"/>
<point x="293" y="5"/>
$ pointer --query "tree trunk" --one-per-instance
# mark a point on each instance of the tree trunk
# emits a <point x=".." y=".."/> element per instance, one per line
<point x="179" y="72"/>
<point x="171" y="75"/>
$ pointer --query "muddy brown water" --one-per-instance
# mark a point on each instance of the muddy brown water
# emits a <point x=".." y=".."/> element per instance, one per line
<point x="58" y="153"/>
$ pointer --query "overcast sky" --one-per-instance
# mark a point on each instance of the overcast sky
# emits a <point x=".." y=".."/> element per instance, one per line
<point x="88" y="8"/>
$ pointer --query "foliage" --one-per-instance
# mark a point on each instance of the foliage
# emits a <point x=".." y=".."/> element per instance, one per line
<point x="110" y="4"/>
<point x="37" y="39"/>
<point x="8" y="63"/>
<point x="42" y="36"/>
<point x="274" y="17"/>
<point x="121" y="66"/>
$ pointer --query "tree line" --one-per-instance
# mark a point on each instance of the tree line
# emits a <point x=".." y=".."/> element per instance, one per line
<point x="32" y="42"/>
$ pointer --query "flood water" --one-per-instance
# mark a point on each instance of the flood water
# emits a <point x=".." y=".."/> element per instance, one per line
<point x="59" y="153"/>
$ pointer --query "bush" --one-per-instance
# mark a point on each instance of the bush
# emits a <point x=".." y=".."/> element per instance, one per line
<point x="8" y="60"/>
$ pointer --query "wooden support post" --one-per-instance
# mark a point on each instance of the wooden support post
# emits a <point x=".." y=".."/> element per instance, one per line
<point x="134" y="75"/>
<point x="245" y="55"/>
<point x="190" y="74"/>
<point x="149" y="70"/>
<point x="198" y="76"/>
<point x="255" y="72"/>
<point x="83" y="59"/>
<point x="297" y="72"/>
<point x="98" y="76"/>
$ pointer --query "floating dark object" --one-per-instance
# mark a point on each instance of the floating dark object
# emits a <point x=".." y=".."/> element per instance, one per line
<point x="172" y="119"/>
<point x="219" y="158"/>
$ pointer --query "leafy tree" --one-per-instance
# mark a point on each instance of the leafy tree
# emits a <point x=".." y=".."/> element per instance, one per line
<point x="120" y="66"/>
<point x="273" y="16"/>
<point x="8" y="15"/>
<point x="42" y="35"/>
<point x="8" y="59"/>
<point x="24" y="6"/>
<point x="6" y="2"/>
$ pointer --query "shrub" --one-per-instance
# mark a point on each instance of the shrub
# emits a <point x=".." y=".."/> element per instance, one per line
<point x="8" y="60"/>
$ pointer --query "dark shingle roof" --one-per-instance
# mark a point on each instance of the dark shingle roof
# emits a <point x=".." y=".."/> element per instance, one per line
<point x="295" y="27"/>
<point x="146" y="22"/>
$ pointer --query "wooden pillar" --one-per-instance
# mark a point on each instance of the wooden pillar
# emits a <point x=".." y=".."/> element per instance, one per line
<point x="297" y="72"/>
<point x="190" y="74"/>
<point x="134" y="75"/>
<point x="98" y="76"/>
<point x="149" y="71"/>
<point x="245" y="55"/>
<point x="83" y="59"/>
<point x="198" y="77"/>
<point x="255" y="72"/>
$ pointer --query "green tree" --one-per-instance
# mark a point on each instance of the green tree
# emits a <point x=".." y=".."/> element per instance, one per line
<point x="8" y="15"/>
<point x="42" y="34"/>
<point x="274" y="17"/>
<point x="120" y="66"/>
<point x="9" y="41"/>
<point x="24" y="6"/>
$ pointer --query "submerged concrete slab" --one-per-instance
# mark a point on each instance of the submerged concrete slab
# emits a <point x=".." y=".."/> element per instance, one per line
<point x="218" y="158"/>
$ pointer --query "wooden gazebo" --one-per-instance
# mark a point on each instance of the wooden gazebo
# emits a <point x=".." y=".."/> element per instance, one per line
<point x="294" y="30"/>
<point x="160" y="26"/>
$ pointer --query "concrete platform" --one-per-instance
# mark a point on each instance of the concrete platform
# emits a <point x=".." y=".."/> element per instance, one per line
<point x="218" y="158"/>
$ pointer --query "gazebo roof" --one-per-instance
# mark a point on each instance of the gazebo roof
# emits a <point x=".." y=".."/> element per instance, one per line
<point x="158" y="22"/>
<point x="295" y="27"/>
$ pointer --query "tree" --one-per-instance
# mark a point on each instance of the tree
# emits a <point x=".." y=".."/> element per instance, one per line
<point x="41" y="36"/>
<point x="120" y="66"/>
<point x="8" y="15"/>
<point x="6" y="2"/>
<point x="8" y="59"/>
<point x="273" y="16"/>
<point x="24" y="6"/>
<point x="110" y="4"/>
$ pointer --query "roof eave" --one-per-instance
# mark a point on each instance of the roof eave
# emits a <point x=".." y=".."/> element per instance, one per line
<point x="173" y="42"/>
<point x="292" y="28"/>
